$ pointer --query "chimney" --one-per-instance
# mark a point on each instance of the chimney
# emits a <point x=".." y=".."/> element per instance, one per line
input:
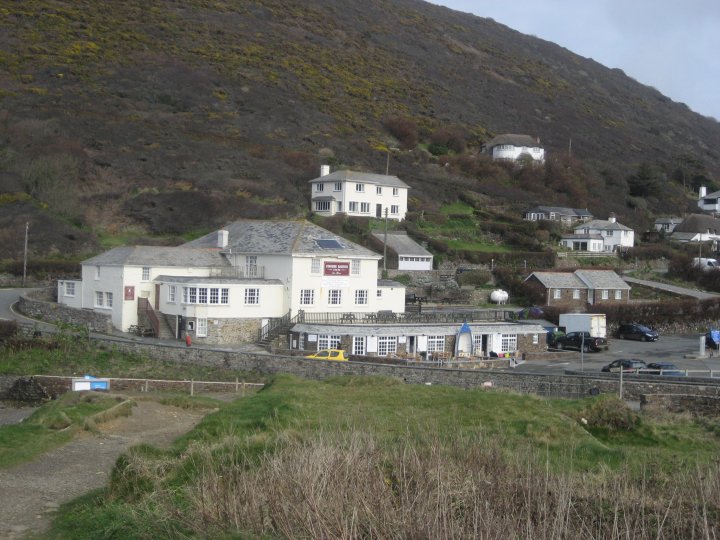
<point x="222" y="239"/>
<point x="611" y="218"/>
<point x="324" y="170"/>
<point x="703" y="192"/>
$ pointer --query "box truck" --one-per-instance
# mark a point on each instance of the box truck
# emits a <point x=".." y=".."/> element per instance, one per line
<point x="594" y="323"/>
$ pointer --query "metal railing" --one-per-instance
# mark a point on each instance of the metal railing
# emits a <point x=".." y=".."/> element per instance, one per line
<point x="382" y="317"/>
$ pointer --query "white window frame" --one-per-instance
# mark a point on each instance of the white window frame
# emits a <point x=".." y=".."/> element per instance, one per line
<point x="69" y="288"/>
<point x="508" y="343"/>
<point x="364" y="207"/>
<point x="359" y="345"/>
<point x="319" y="187"/>
<point x="322" y="206"/>
<point x="328" y="341"/>
<point x="307" y="297"/>
<point x="252" y="296"/>
<point x="315" y="266"/>
<point x="435" y="343"/>
<point x="202" y="297"/>
<point x="605" y="294"/>
<point x="394" y="209"/>
<point x="361" y="297"/>
<point x="108" y="299"/>
<point x="145" y="273"/>
<point x="386" y="345"/>
<point x="338" y="186"/>
<point x="214" y="295"/>
<point x="353" y="206"/>
<point x="334" y="297"/>
<point x="618" y="294"/>
<point x="224" y="296"/>
<point x="172" y="293"/>
<point x="360" y="188"/>
<point x="99" y="298"/>
<point x="557" y="294"/>
<point x="396" y="192"/>
<point x="251" y="266"/>
<point x="378" y="190"/>
<point x="379" y="293"/>
<point x="576" y="294"/>
<point x="201" y="327"/>
<point x="355" y="267"/>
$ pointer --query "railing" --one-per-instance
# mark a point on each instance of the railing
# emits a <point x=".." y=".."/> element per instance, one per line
<point x="145" y="307"/>
<point x="239" y="272"/>
<point x="589" y="254"/>
<point x="274" y="327"/>
<point x="387" y="317"/>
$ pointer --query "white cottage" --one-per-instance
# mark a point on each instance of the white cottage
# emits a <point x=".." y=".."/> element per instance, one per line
<point x="223" y="287"/>
<point x="512" y="147"/>
<point x="358" y="194"/>
<point x="600" y="235"/>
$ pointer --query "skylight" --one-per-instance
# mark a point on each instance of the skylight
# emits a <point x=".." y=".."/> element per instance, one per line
<point x="329" y="244"/>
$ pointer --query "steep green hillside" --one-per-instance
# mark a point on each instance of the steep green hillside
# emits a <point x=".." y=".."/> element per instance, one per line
<point x="176" y="117"/>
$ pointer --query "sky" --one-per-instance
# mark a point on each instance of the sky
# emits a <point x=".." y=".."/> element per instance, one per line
<point x="670" y="45"/>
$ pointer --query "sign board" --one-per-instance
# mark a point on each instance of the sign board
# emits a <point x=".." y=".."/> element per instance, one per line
<point x="312" y="337"/>
<point x="129" y="292"/>
<point x="335" y="268"/>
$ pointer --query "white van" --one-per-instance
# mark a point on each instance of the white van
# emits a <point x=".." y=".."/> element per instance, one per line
<point x="706" y="263"/>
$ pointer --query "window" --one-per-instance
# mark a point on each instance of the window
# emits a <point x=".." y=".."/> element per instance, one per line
<point x="307" y="297"/>
<point x="435" y="343"/>
<point x="108" y="299"/>
<point x="69" y="288"/>
<point x="146" y="273"/>
<point x="319" y="187"/>
<point x="618" y="294"/>
<point x="185" y="295"/>
<point x="193" y="295"/>
<point x="557" y="294"/>
<point x="99" y="297"/>
<point x="251" y="266"/>
<point x="576" y="294"/>
<point x="605" y="294"/>
<point x="322" y="206"/>
<point x="171" y="293"/>
<point x="365" y="208"/>
<point x="315" y="268"/>
<point x="214" y="295"/>
<point x="252" y="296"/>
<point x="353" y="207"/>
<point x="396" y="191"/>
<point x="536" y="339"/>
<point x="378" y="190"/>
<point x="508" y="342"/>
<point x="224" y="296"/>
<point x="358" y="345"/>
<point x="379" y="293"/>
<point x="394" y="209"/>
<point x="97" y="272"/>
<point x="360" y="188"/>
<point x="609" y="233"/>
<point x="355" y="267"/>
<point x="361" y="297"/>
<point x="334" y="297"/>
<point x="202" y="295"/>
<point x="386" y="345"/>
<point x="201" y="328"/>
<point x="326" y="341"/>
<point x="338" y="186"/>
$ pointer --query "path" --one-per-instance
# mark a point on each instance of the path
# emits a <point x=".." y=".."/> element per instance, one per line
<point x="700" y="295"/>
<point x="30" y="492"/>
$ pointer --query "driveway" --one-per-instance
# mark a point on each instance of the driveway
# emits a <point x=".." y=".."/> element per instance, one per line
<point x="684" y="291"/>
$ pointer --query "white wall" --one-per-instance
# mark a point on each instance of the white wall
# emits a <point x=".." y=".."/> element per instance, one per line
<point x="391" y="298"/>
<point x="74" y="300"/>
<point x="511" y="152"/>
<point x="405" y="264"/>
<point x="349" y="194"/>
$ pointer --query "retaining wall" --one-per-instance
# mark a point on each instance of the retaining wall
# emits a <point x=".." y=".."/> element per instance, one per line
<point x="54" y="312"/>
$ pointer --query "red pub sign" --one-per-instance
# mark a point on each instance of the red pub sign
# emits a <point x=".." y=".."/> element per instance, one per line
<point x="336" y="268"/>
<point x="129" y="292"/>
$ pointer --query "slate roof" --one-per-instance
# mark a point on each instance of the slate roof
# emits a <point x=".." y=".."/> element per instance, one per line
<point x="514" y="139"/>
<point x="558" y="280"/>
<point x="415" y="329"/>
<point x="275" y="237"/>
<point x="671" y="220"/>
<point x="581" y="236"/>
<point x="402" y="244"/>
<point x="362" y="177"/>
<point x="713" y="195"/>
<point x="160" y="256"/>
<point x="698" y="223"/>
<point x="602" y="279"/>
<point x="604" y="225"/>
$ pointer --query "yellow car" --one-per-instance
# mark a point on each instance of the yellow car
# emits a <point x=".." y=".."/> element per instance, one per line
<point x="329" y="354"/>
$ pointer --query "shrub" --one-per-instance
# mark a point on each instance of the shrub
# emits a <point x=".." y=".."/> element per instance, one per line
<point x="8" y="328"/>
<point x="451" y="137"/>
<point x="477" y="278"/>
<point x="438" y="149"/>
<point x="404" y="129"/>
<point x="610" y="414"/>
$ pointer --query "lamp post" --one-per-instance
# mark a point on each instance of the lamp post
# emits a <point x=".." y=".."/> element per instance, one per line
<point x="582" y="352"/>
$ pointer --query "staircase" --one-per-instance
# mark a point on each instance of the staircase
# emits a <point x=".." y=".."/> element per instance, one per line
<point x="149" y="319"/>
<point x="274" y="328"/>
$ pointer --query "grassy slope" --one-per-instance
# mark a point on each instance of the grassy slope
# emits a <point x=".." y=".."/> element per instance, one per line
<point x="166" y="493"/>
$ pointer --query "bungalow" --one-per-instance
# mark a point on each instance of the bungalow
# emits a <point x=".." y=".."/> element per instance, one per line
<point x="226" y="285"/>
<point x="581" y="288"/>
<point x="405" y="253"/>
<point x="358" y="194"/>
<point x="708" y="202"/>
<point x="567" y="216"/>
<point x="511" y="147"/>
<point x="615" y="236"/>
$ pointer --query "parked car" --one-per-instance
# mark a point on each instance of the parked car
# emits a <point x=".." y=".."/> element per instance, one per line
<point x="637" y="331"/>
<point x="628" y="365"/>
<point x="329" y="354"/>
<point x="581" y="340"/>
<point x="664" y="368"/>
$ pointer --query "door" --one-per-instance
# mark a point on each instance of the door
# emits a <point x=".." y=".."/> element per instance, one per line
<point x="378" y="210"/>
<point x="591" y="296"/>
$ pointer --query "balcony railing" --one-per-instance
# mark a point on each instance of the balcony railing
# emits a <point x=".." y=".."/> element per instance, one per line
<point x="243" y="272"/>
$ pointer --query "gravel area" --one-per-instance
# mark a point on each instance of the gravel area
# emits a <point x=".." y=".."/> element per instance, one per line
<point x="31" y="492"/>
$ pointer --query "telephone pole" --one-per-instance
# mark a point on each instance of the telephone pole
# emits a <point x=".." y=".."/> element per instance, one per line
<point x="27" y="226"/>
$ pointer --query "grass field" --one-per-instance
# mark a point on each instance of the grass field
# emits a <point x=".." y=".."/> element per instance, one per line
<point x="373" y="457"/>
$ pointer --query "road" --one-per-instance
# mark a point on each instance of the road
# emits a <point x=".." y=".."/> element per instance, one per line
<point x="8" y="297"/>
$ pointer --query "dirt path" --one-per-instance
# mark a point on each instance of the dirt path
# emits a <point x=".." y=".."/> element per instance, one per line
<point x="30" y="492"/>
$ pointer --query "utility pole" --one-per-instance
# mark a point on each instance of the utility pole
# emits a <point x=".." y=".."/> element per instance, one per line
<point x="27" y="226"/>
<point x="385" y="243"/>
<point x="387" y="163"/>
<point x="570" y="147"/>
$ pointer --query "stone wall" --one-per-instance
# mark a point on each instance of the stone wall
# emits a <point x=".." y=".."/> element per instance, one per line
<point x="53" y="312"/>
<point x="229" y="331"/>
<point x="708" y="406"/>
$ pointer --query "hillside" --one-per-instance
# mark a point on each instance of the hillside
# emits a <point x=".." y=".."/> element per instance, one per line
<point x="123" y="120"/>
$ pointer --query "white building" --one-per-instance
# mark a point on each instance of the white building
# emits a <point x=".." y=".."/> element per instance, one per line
<point x="410" y="255"/>
<point x="358" y="194"/>
<point x="612" y="234"/>
<point x="709" y="202"/>
<point x="511" y="147"/>
<point x="223" y="287"/>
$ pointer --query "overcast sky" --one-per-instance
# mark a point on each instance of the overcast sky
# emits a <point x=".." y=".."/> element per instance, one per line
<point x="671" y="45"/>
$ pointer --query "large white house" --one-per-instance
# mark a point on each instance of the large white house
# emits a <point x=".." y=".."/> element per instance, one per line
<point x="511" y="147"/>
<point x="225" y="286"/>
<point x="600" y="235"/>
<point x="358" y="194"/>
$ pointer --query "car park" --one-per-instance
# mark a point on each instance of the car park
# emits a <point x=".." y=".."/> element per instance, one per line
<point x="627" y="365"/>
<point x="636" y="331"/>
<point x="329" y="354"/>
<point x="581" y="341"/>
<point x="664" y="368"/>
